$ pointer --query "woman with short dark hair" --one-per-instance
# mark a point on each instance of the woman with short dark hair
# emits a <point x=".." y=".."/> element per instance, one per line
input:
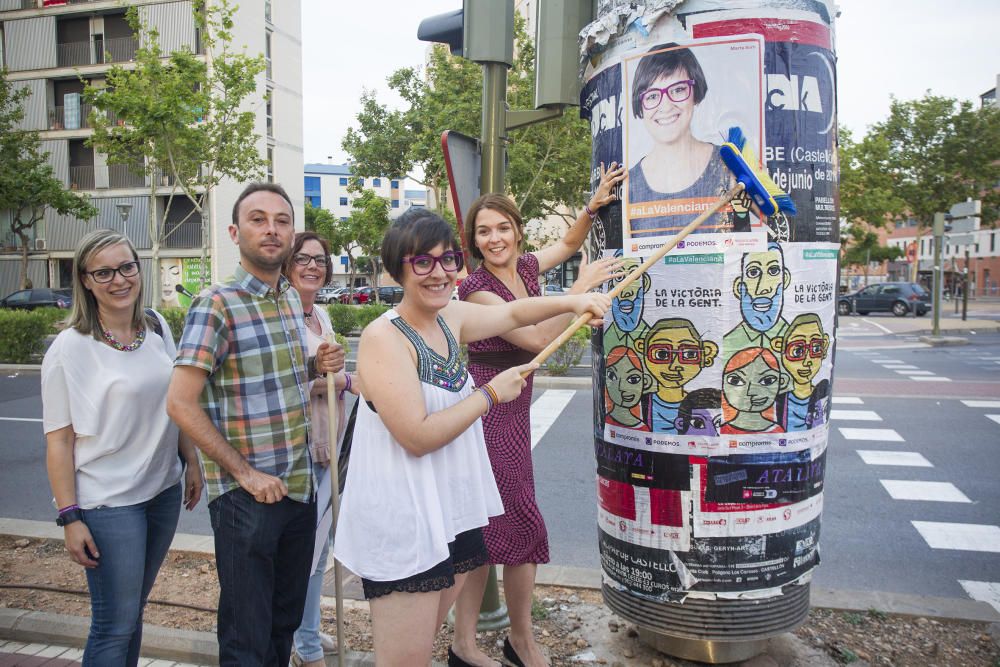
<point x="420" y="487"/>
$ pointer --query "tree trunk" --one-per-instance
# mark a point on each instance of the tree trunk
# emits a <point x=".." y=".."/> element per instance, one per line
<point x="24" y="258"/>
<point x="156" y="296"/>
<point x="204" y="239"/>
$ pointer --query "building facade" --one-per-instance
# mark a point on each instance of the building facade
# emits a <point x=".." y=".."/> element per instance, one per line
<point x="48" y="46"/>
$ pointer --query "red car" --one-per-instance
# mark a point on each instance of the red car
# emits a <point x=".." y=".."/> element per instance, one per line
<point x="360" y="295"/>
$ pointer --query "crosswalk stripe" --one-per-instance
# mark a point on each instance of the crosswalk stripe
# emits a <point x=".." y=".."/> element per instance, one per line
<point x="545" y="410"/>
<point x="995" y="418"/>
<point x="900" y="367"/>
<point x="855" y="415"/>
<point x="914" y="373"/>
<point x="886" y="458"/>
<point x="19" y="419"/>
<point x="877" y="434"/>
<point x="854" y="400"/>
<point x="971" y="404"/>
<point x="984" y="591"/>
<point x="888" y="361"/>
<point x="942" y="492"/>
<point x="960" y="536"/>
<point x="932" y="378"/>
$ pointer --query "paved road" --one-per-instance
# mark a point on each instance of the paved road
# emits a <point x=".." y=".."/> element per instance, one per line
<point x="912" y="504"/>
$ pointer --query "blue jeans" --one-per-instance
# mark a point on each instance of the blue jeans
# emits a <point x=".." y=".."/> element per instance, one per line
<point x="133" y="541"/>
<point x="263" y="553"/>
<point x="307" y="636"/>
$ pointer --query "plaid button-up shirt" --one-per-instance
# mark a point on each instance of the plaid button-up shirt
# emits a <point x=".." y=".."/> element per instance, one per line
<point x="251" y="341"/>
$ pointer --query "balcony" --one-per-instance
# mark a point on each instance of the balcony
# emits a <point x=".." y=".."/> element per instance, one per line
<point x="112" y="176"/>
<point x="116" y="50"/>
<point x="70" y="118"/>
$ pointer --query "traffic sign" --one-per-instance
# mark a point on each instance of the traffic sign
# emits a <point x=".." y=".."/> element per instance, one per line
<point x="962" y="239"/>
<point x="965" y="225"/>
<point x="966" y="209"/>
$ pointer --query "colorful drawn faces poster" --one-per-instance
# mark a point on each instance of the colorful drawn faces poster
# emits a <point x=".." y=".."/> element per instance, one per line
<point x="680" y="100"/>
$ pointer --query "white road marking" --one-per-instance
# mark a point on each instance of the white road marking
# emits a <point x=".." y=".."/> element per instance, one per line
<point x="995" y="418"/>
<point x="915" y="372"/>
<point x="934" y="378"/>
<point x="877" y="434"/>
<point x="876" y="324"/>
<point x="901" y="367"/>
<point x="888" y="361"/>
<point x="973" y="404"/>
<point x="855" y="415"/>
<point x="854" y="400"/>
<point x="19" y="419"/>
<point x="942" y="492"/>
<point x="545" y="410"/>
<point x="883" y="458"/>
<point x="984" y="591"/>
<point x="960" y="536"/>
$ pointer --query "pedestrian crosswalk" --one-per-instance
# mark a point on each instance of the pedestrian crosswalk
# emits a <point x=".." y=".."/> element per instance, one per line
<point x="907" y="370"/>
<point x="953" y="536"/>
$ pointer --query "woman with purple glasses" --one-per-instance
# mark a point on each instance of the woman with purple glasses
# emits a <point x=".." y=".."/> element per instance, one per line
<point x="680" y="170"/>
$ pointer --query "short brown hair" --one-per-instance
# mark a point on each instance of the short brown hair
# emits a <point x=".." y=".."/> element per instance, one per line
<point x="493" y="202"/>
<point x="416" y="232"/>
<point x="300" y="240"/>
<point x="260" y="187"/>
<point x="664" y="60"/>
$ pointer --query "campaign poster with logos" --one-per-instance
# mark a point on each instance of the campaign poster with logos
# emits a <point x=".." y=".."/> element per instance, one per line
<point x="601" y="104"/>
<point x="184" y="271"/>
<point x="800" y="110"/>
<point x="681" y="97"/>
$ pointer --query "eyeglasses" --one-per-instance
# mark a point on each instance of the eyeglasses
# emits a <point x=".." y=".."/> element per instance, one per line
<point x="797" y="350"/>
<point x="450" y="261"/>
<point x="675" y="92"/>
<point x="303" y="259"/>
<point x="665" y="353"/>
<point x="127" y="270"/>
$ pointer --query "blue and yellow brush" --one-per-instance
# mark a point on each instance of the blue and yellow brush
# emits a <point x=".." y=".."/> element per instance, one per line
<point x="742" y="161"/>
<point x="750" y="177"/>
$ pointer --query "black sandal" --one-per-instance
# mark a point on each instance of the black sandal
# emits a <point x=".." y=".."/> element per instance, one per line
<point x="455" y="661"/>
<point x="510" y="654"/>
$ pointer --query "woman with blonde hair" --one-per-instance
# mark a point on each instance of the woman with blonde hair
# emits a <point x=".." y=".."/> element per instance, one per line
<point x="115" y="460"/>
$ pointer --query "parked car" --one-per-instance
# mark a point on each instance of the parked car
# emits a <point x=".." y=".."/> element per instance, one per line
<point x="363" y="295"/>
<point x="900" y="299"/>
<point x="553" y="290"/>
<point x="29" y="299"/>
<point x="329" y="294"/>
<point x="390" y="295"/>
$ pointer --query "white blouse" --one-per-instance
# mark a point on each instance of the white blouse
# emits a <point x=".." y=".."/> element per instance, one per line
<point x="126" y="446"/>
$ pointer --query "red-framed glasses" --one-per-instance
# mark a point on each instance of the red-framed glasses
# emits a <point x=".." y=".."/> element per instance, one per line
<point x="664" y="353"/>
<point x="799" y="349"/>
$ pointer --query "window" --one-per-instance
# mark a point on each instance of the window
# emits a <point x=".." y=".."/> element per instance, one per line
<point x="343" y="201"/>
<point x="270" y="164"/>
<point x="312" y="184"/>
<point x="359" y="181"/>
<point x="269" y="112"/>
<point x="343" y="218"/>
<point x="993" y="241"/>
<point x="3" y="61"/>
<point x="395" y="203"/>
<point x="314" y="201"/>
<point x="267" y="55"/>
<point x="343" y="181"/>
<point x="394" y="183"/>
<point x="267" y="10"/>
<point x="376" y="182"/>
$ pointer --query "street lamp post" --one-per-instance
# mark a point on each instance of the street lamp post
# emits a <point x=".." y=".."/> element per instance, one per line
<point x="124" y="210"/>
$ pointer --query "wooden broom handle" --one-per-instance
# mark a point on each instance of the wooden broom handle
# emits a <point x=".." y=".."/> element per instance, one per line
<point x="334" y="471"/>
<point x="638" y="271"/>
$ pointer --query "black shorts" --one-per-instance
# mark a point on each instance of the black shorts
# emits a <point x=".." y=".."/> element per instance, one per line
<point x="465" y="553"/>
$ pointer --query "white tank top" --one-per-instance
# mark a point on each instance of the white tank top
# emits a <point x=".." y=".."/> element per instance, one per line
<point x="400" y="511"/>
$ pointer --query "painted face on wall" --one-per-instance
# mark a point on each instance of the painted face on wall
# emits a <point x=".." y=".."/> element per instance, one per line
<point x="675" y="356"/>
<point x="626" y="383"/>
<point x="752" y="388"/>
<point x="703" y="421"/>
<point x="761" y="288"/>
<point x="804" y="350"/>
<point x="626" y="308"/>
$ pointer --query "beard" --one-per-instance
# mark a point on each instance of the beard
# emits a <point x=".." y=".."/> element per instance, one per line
<point x="761" y="313"/>
<point x="627" y="321"/>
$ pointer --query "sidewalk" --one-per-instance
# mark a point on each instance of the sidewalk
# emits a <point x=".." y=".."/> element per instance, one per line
<point x="39" y="638"/>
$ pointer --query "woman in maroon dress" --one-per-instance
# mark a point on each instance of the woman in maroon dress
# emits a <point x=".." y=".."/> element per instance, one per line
<point x="517" y="539"/>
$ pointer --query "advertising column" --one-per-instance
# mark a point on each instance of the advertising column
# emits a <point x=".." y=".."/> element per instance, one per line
<point x="714" y="371"/>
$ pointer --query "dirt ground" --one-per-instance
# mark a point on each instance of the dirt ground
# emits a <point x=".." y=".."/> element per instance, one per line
<point x="561" y="615"/>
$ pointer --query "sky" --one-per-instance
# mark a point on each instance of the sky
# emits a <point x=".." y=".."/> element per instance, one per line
<point x="884" y="47"/>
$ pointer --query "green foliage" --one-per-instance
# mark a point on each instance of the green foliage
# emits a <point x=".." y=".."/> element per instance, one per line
<point x="539" y="612"/>
<point x="854" y="618"/>
<point x="28" y="185"/>
<point x="569" y="353"/>
<point x="342" y="341"/>
<point x="369" y="313"/>
<point x="846" y="655"/>
<point x="877" y="614"/>
<point x="549" y="162"/>
<point x="175" y="317"/>
<point x="54" y="317"/>
<point x="179" y="118"/>
<point x="343" y="317"/>
<point x="863" y="247"/>
<point x="22" y="334"/>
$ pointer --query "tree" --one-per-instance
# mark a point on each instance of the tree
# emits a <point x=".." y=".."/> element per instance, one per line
<point x="28" y="185"/>
<point x="862" y="247"/>
<point x="548" y="162"/>
<point x="367" y="225"/>
<point x="184" y="121"/>
<point x="866" y="183"/>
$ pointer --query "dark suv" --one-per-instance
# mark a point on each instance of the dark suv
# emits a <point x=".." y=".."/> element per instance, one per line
<point x="900" y="299"/>
<point x="390" y="295"/>
<point x="29" y="299"/>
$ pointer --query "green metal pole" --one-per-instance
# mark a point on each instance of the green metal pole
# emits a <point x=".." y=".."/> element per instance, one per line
<point x="938" y="236"/>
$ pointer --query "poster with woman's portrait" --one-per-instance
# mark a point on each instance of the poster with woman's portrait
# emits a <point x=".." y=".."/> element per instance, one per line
<point x="680" y="100"/>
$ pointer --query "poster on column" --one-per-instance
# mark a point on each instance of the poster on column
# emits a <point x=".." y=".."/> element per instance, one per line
<point x="776" y="360"/>
<point x="602" y="105"/>
<point x="800" y="110"/>
<point x="681" y="98"/>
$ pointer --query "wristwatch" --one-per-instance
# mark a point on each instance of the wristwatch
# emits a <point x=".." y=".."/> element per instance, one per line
<point x="69" y="517"/>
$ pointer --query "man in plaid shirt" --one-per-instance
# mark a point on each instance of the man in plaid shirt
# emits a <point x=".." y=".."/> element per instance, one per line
<point x="240" y="389"/>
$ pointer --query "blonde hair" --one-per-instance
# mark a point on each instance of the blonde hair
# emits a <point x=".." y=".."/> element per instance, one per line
<point x="84" y="316"/>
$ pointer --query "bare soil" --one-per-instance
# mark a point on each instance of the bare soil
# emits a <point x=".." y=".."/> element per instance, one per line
<point x="571" y="623"/>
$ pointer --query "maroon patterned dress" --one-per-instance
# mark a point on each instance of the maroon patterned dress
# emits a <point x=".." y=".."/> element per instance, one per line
<point x="518" y="536"/>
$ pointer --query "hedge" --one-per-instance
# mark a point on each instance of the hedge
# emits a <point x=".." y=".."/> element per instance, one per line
<point x="569" y="353"/>
<point x="343" y="318"/>
<point x="175" y="317"/>
<point x="23" y="332"/>
<point x="369" y="313"/>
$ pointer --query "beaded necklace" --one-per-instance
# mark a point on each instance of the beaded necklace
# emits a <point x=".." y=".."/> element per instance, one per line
<point x="432" y="368"/>
<point x="109" y="337"/>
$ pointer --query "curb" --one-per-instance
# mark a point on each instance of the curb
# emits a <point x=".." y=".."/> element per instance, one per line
<point x="944" y="341"/>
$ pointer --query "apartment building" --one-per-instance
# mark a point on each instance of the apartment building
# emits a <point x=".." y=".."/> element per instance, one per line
<point x="983" y="264"/>
<point x="48" y="46"/>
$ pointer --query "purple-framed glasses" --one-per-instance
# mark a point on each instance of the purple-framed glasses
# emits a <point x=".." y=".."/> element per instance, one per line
<point x="679" y="91"/>
<point x="450" y="261"/>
